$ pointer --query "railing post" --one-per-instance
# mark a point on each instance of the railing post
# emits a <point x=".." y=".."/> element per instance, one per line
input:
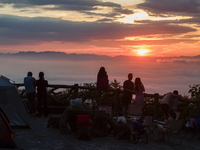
<point x="156" y="105"/>
<point x="75" y="90"/>
<point x="117" y="99"/>
<point x="198" y="108"/>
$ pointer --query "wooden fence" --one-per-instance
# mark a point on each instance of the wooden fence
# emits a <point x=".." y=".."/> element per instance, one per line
<point x="73" y="91"/>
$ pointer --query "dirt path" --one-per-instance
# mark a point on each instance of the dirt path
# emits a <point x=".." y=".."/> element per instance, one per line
<point x="39" y="137"/>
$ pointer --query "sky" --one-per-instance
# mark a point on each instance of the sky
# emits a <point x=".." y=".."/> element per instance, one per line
<point x="105" y="27"/>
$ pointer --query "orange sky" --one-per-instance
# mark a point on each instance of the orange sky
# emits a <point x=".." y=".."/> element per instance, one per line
<point x="108" y="27"/>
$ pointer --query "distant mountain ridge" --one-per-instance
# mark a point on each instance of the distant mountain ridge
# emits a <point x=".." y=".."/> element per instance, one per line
<point x="74" y="56"/>
<point x="55" y="55"/>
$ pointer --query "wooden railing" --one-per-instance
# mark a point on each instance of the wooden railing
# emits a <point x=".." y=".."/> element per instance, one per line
<point x="73" y="91"/>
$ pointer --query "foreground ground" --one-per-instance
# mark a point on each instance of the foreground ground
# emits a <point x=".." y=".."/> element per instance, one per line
<point x="39" y="137"/>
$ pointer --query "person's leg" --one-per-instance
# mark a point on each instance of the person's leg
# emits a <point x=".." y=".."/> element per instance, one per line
<point x="159" y="132"/>
<point x="158" y="136"/>
<point x="32" y="103"/>
<point x="165" y="109"/>
<point x="29" y="102"/>
<point x="45" y="105"/>
<point x="39" y="106"/>
<point x="163" y="136"/>
<point x="125" y="108"/>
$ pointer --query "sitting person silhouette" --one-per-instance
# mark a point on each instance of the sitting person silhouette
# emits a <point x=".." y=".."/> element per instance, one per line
<point x="163" y="127"/>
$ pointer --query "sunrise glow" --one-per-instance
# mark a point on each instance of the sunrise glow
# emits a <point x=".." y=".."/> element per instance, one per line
<point x="109" y="27"/>
<point x="142" y="51"/>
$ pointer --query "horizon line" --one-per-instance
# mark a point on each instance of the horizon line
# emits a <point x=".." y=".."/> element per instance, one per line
<point x="28" y="52"/>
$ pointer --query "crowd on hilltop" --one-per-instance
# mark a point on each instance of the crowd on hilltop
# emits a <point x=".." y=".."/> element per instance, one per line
<point x="169" y="102"/>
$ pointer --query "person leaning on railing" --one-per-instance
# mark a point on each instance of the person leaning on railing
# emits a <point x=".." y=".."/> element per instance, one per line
<point x="169" y="102"/>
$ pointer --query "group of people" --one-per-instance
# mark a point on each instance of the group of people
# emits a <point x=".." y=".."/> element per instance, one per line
<point x="129" y="88"/>
<point x="169" y="101"/>
<point x="31" y="84"/>
<point x="168" y="104"/>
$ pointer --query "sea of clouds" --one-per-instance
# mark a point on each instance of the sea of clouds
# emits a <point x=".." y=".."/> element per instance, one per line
<point x="159" y="75"/>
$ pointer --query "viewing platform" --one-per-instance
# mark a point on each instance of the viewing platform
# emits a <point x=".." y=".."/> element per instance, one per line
<point x="39" y="137"/>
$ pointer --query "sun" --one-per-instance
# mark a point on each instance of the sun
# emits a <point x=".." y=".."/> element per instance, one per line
<point x="142" y="51"/>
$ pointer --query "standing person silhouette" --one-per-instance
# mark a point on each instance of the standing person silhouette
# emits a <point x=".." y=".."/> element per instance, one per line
<point x="128" y="87"/>
<point x="42" y="94"/>
<point x="102" y="80"/>
<point x="139" y="89"/>
<point x="29" y="83"/>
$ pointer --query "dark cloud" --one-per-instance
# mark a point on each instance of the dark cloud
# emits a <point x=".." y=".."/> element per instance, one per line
<point x="69" y="5"/>
<point x="111" y="15"/>
<point x="191" y="36"/>
<point x="40" y="29"/>
<point x="123" y="11"/>
<point x="194" y="20"/>
<point x="105" y="20"/>
<point x="187" y="73"/>
<point x="181" y="60"/>
<point x="59" y="2"/>
<point x="116" y="12"/>
<point x="171" y="7"/>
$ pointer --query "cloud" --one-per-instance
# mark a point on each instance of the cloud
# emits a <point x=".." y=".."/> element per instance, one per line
<point x="39" y="29"/>
<point x="82" y="6"/>
<point x="180" y="60"/>
<point x="171" y="7"/>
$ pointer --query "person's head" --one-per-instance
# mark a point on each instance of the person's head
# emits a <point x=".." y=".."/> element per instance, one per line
<point x="137" y="84"/>
<point x="172" y="114"/>
<point x="175" y="92"/>
<point x="130" y="76"/>
<point x="138" y="81"/>
<point x="102" y="72"/>
<point x="29" y="74"/>
<point x="41" y="75"/>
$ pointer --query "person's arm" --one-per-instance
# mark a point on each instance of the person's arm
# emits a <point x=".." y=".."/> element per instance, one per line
<point x="34" y="84"/>
<point x="124" y="87"/>
<point x="160" y="122"/>
<point x="46" y="83"/>
<point x="107" y="82"/>
<point x="97" y="82"/>
<point x="129" y="90"/>
<point x="179" y="96"/>
<point x="142" y="87"/>
<point x="168" y="123"/>
<point x="166" y="94"/>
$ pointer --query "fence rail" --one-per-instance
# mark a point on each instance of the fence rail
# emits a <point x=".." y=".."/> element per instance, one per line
<point x="74" y="92"/>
